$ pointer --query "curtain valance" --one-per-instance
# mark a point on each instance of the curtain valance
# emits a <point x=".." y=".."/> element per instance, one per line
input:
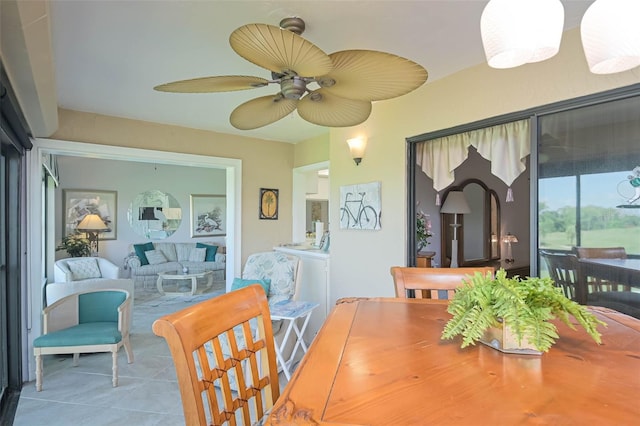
<point x="505" y="146"/>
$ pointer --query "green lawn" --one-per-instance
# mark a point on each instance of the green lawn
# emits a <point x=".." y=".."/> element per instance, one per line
<point x="629" y="238"/>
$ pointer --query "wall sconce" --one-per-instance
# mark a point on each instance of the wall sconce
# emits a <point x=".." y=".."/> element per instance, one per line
<point x="508" y="240"/>
<point x="92" y="225"/>
<point x="455" y="204"/>
<point x="357" y="147"/>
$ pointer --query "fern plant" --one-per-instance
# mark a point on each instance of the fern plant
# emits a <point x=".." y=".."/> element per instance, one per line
<point x="526" y="305"/>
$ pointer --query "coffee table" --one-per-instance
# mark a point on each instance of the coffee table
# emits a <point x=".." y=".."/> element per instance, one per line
<point x="180" y="276"/>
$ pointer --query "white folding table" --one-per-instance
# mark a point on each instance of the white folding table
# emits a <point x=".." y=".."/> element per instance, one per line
<point x="291" y="311"/>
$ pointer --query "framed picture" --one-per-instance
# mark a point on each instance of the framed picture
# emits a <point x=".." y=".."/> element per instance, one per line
<point x="360" y="206"/>
<point x="80" y="202"/>
<point x="268" y="203"/>
<point x="208" y="215"/>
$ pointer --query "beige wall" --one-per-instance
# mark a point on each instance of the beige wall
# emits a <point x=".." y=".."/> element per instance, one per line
<point x="311" y="151"/>
<point x="265" y="164"/>
<point x="360" y="260"/>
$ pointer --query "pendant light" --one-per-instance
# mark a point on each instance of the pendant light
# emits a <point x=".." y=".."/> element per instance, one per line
<point x="516" y="32"/>
<point x="611" y="35"/>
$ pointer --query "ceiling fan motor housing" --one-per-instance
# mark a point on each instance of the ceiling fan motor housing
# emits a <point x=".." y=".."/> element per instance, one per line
<point x="293" y="87"/>
<point x="293" y="24"/>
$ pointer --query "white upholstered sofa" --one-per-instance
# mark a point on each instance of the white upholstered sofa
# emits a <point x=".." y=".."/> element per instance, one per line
<point x="169" y="256"/>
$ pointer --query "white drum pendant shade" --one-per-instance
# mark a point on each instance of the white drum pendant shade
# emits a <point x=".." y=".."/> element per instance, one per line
<point x="516" y="32"/>
<point x="610" y="32"/>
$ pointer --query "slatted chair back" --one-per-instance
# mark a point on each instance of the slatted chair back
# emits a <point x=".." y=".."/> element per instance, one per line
<point x="563" y="270"/>
<point x="431" y="283"/>
<point x="600" y="252"/>
<point x="596" y="284"/>
<point x="194" y="336"/>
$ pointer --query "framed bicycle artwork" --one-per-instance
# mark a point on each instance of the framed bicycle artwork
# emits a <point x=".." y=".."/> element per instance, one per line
<point x="360" y="206"/>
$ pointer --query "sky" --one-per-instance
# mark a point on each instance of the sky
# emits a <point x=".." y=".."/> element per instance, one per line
<point x="597" y="190"/>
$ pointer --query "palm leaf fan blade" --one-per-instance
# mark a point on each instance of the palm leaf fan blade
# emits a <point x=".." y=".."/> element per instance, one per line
<point x="370" y="75"/>
<point x="279" y="50"/>
<point x="223" y="83"/>
<point x="324" y="109"/>
<point x="261" y="111"/>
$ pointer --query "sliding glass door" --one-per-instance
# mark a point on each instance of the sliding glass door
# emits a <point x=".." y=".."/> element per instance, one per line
<point x="589" y="177"/>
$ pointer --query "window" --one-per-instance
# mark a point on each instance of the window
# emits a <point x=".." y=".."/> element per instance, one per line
<point x="586" y="162"/>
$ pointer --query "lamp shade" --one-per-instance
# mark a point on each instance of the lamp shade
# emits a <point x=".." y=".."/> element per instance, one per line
<point x="92" y="222"/>
<point x="510" y="238"/>
<point x="455" y="203"/>
<point x="516" y="32"/>
<point x="357" y="147"/>
<point x="611" y="35"/>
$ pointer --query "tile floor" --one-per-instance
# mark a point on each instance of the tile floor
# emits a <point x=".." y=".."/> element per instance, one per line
<point x="147" y="393"/>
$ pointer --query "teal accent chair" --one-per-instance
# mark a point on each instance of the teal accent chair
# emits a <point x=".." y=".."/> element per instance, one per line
<point x="86" y="322"/>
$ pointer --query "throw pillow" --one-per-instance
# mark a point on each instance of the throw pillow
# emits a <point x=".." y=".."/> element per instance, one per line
<point x="211" y="252"/>
<point x="155" y="257"/>
<point x="83" y="269"/>
<point x="241" y="283"/>
<point x="197" y="254"/>
<point x="140" y="249"/>
<point x="183" y="250"/>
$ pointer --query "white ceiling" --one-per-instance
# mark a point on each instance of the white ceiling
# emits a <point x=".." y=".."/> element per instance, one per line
<point x="109" y="54"/>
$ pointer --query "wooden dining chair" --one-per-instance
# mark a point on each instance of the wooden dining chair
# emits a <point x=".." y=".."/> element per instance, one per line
<point x="596" y="284"/>
<point x="600" y="252"/>
<point x="563" y="270"/>
<point x="240" y="387"/>
<point x="431" y="283"/>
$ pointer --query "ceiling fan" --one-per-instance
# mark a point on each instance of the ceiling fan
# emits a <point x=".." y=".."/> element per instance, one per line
<point x="347" y="81"/>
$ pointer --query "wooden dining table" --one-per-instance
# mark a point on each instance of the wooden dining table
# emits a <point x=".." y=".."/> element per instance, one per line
<point x="382" y="362"/>
<point x="622" y="271"/>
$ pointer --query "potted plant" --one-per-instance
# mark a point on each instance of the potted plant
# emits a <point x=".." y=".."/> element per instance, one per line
<point x="75" y="244"/>
<point x="423" y="230"/>
<point x="522" y="307"/>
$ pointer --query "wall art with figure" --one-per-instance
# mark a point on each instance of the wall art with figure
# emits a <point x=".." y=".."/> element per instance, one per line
<point x="80" y="202"/>
<point x="208" y="215"/>
<point x="360" y="206"/>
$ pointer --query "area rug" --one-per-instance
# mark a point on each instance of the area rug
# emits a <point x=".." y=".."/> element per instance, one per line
<point x="150" y="305"/>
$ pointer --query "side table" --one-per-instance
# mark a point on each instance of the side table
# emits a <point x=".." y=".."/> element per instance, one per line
<point x="291" y="311"/>
<point x="423" y="259"/>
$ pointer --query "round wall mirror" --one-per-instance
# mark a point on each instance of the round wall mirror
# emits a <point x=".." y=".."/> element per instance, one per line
<point x="154" y="214"/>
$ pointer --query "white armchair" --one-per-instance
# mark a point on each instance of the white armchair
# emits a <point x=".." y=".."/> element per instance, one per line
<point x="82" y="268"/>
<point x="76" y="274"/>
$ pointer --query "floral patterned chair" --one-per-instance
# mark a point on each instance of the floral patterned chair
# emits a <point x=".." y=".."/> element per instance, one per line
<point x="284" y="271"/>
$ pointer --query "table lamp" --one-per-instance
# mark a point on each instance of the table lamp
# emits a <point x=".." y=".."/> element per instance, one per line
<point x="508" y="240"/>
<point x="455" y="204"/>
<point x="92" y="225"/>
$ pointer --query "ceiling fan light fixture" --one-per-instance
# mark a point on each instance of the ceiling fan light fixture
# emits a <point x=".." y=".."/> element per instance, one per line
<point x="611" y="36"/>
<point x="516" y="32"/>
<point x="326" y="82"/>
